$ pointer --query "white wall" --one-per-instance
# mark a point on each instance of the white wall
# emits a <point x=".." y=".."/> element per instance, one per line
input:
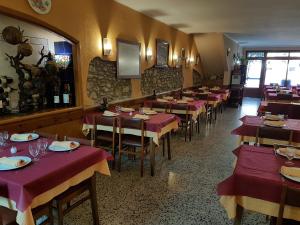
<point x="38" y="37"/>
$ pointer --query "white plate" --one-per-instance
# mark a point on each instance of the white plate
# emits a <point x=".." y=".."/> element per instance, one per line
<point x="111" y="115"/>
<point x="282" y="154"/>
<point x="61" y="149"/>
<point x="26" y="159"/>
<point x="34" y="137"/>
<point x="297" y="179"/>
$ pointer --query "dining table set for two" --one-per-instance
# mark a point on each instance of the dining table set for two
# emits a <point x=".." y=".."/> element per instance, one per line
<point x="282" y="94"/>
<point x="36" y="168"/>
<point x="266" y="170"/>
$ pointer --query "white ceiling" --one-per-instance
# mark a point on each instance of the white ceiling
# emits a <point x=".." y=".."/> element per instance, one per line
<point x="252" y="23"/>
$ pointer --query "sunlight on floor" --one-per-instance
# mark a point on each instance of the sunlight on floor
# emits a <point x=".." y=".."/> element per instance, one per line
<point x="250" y="106"/>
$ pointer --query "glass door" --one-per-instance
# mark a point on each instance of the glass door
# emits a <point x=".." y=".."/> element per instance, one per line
<point x="276" y="71"/>
<point x="293" y="75"/>
<point x="253" y="73"/>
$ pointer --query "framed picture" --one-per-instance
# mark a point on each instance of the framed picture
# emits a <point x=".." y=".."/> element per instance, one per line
<point x="162" y="53"/>
<point x="128" y="59"/>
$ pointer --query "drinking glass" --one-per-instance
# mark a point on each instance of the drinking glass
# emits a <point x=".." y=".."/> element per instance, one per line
<point x="5" y="136"/>
<point x="141" y="111"/>
<point x="290" y="154"/>
<point x="44" y="146"/>
<point x="276" y="146"/>
<point x="118" y="108"/>
<point x="2" y="140"/>
<point x="34" y="152"/>
<point x="39" y="145"/>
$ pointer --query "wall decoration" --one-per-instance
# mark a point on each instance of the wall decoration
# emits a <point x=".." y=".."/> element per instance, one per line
<point x="40" y="6"/>
<point x="36" y="83"/>
<point x="128" y="59"/>
<point x="162" y="53"/>
<point x="197" y="60"/>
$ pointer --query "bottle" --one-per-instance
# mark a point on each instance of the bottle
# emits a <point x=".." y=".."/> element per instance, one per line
<point x="67" y="95"/>
<point x="1" y="107"/>
<point x="56" y="98"/>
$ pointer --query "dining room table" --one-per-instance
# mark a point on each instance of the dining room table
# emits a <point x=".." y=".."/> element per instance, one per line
<point x="291" y="109"/>
<point x="213" y="99"/>
<point x="256" y="184"/>
<point x="23" y="189"/>
<point x="225" y="93"/>
<point x="157" y="126"/>
<point x="196" y="107"/>
<point x="276" y="97"/>
<point x="248" y="130"/>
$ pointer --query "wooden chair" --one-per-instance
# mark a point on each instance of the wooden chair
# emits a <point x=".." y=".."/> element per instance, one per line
<point x="289" y="196"/>
<point x="186" y="121"/>
<point x="208" y="107"/>
<point x="132" y="141"/>
<point x="273" y="133"/>
<point x="46" y="135"/>
<point x="106" y="139"/>
<point x="68" y="200"/>
<point x="8" y="216"/>
<point x="160" y="105"/>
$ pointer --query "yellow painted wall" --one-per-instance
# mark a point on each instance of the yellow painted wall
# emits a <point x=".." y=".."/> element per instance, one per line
<point x="89" y="21"/>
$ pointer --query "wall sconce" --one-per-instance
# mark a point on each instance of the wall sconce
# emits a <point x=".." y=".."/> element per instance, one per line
<point x="149" y="54"/>
<point x="107" y="47"/>
<point x="228" y="51"/>
<point x="192" y="60"/>
<point x="175" y="59"/>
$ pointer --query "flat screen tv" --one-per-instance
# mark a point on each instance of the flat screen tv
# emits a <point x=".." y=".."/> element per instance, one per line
<point x="128" y="59"/>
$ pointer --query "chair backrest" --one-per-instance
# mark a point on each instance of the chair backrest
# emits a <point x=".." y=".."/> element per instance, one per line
<point x="202" y="96"/>
<point x="81" y="141"/>
<point x="278" y="108"/>
<point x="104" y="120"/>
<point x="294" y="112"/>
<point x="289" y="196"/>
<point x="131" y="123"/>
<point x="160" y="105"/>
<point x="287" y="97"/>
<point x="46" y="135"/>
<point x="273" y="133"/>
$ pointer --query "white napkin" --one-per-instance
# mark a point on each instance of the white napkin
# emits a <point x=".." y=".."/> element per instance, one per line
<point x="123" y="109"/>
<point x="11" y="162"/>
<point x="162" y="100"/>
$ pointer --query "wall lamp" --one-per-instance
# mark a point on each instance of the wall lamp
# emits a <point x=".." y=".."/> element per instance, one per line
<point x="175" y="59"/>
<point x="107" y="47"/>
<point x="149" y="54"/>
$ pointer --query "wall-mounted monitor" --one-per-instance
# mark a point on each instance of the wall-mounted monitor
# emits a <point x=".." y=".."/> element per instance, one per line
<point x="128" y="59"/>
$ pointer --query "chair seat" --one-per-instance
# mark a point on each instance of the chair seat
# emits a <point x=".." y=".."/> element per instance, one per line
<point x="135" y="141"/>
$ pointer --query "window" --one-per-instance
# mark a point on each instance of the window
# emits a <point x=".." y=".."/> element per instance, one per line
<point x="293" y="76"/>
<point x="255" y="54"/>
<point x="295" y="54"/>
<point x="278" y="54"/>
<point x="276" y="71"/>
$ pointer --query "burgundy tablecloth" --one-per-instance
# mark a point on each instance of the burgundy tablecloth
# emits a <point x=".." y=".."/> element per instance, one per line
<point x="154" y="124"/>
<point x="256" y="175"/>
<point x="194" y="105"/>
<point x="292" y="110"/>
<point x="220" y="91"/>
<point x="54" y="168"/>
<point x="211" y="96"/>
<point x="274" y="97"/>
<point x="250" y="124"/>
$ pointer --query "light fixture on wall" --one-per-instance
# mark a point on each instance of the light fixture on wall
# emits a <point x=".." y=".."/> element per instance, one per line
<point x="175" y="59"/>
<point x="228" y="51"/>
<point x="149" y="54"/>
<point x="107" y="47"/>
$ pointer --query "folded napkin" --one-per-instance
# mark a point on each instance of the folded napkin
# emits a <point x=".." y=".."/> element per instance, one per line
<point x="162" y="100"/>
<point x="22" y="137"/>
<point x="290" y="171"/>
<point x="168" y="98"/>
<point x="148" y="111"/>
<point x="124" y="109"/>
<point x="109" y="113"/>
<point x="182" y="102"/>
<point x="188" y="99"/>
<point x="139" y="116"/>
<point x="11" y="162"/>
<point x="279" y="123"/>
<point x="274" y="117"/>
<point x="64" y="144"/>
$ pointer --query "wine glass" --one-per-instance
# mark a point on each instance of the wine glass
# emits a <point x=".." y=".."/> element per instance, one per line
<point x="141" y="111"/>
<point x="44" y="146"/>
<point x="5" y="136"/>
<point x="290" y="154"/>
<point x="276" y="147"/>
<point x="34" y="152"/>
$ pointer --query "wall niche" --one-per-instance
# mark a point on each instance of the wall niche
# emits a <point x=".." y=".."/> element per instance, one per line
<point x="161" y="79"/>
<point x="102" y="82"/>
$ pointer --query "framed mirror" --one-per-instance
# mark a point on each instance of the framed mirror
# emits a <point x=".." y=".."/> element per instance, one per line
<point x="162" y="53"/>
<point x="128" y="59"/>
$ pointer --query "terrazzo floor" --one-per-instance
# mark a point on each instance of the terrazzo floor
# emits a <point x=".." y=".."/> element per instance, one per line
<point x="183" y="191"/>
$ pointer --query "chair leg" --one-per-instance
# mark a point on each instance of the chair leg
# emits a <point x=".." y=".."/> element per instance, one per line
<point x="94" y="204"/>
<point x="60" y="214"/>
<point x="142" y="163"/>
<point x="163" y="146"/>
<point x="185" y="131"/>
<point x="190" y="131"/>
<point x="119" y="161"/>
<point x="169" y="146"/>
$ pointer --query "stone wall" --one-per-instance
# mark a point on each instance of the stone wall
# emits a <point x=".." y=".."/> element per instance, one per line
<point x="102" y="82"/>
<point x="161" y="79"/>
<point x="197" y="78"/>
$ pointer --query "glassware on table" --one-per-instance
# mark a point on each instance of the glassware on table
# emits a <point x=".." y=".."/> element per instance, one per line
<point x="2" y="141"/>
<point x="118" y="108"/>
<point x="34" y="152"/>
<point x="44" y="147"/>
<point x="290" y="154"/>
<point x="276" y="147"/>
<point x="141" y="110"/>
<point x="5" y="136"/>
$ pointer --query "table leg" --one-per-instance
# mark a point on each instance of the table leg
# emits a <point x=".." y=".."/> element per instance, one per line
<point x="169" y="145"/>
<point x="239" y="215"/>
<point x="94" y="203"/>
<point x="152" y="157"/>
